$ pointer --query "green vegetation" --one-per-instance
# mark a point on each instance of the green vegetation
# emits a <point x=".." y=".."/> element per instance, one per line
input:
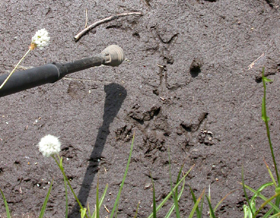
<point x="250" y="210"/>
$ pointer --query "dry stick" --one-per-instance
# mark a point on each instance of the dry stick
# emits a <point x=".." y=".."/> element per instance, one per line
<point x="80" y="34"/>
<point x="256" y="61"/>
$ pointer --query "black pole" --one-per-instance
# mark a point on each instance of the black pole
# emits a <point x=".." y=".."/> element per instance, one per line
<point x="50" y="73"/>
<point x="81" y="64"/>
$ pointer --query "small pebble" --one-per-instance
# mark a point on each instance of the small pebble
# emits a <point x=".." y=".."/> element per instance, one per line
<point x="147" y="185"/>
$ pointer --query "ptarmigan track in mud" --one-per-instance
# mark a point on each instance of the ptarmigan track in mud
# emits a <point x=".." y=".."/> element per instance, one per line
<point x="185" y="88"/>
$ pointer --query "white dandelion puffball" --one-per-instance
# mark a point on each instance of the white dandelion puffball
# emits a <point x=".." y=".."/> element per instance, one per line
<point x="41" y="38"/>
<point x="49" y="145"/>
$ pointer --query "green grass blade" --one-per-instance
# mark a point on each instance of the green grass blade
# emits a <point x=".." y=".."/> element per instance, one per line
<point x="88" y="209"/>
<point x="135" y="216"/>
<point x="201" y="206"/>
<point x="179" y="196"/>
<point x="6" y="204"/>
<point x="83" y="212"/>
<point x="97" y="198"/>
<point x="103" y="196"/>
<point x="223" y="199"/>
<point x="212" y="213"/>
<point x="170" y="193"/>
<point x="270" y="173"/>
<point x="45" y="202"/>
<point x="244" y="190"/>
<point x="209" y="194"/>
<point x="267" y="214"/>
<point x="175" y="193"/>
<point x="277" y="201"/>
<point x="261" y="188"/>
<point x="263" y="197"/>
<point x="101" y="200"/>
<point x="66" y="193"/>
<point x="274" y="216"/>
<point x="196" y="204"/>
<point x="65" y="188"/>
<point x="198" y="214"/>
<point x="154" y="201"/>
<point x="175" y="199"/>
<point x="266" y="119"/>
<point x="246" y="211"/>
<point x="66" y="198"/>
<point x="116" y="205"/>
<point x="265" y="203"/>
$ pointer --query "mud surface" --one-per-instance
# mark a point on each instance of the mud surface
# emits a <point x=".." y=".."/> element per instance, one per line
<point x="185" y="87"/>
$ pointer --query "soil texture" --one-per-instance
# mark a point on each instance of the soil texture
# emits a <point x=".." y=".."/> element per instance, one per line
<point x="189" y="88"/>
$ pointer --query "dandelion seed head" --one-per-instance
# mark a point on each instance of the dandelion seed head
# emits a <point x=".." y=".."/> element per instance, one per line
<point x="49" y="145"/>
<point x="40" y="39"/>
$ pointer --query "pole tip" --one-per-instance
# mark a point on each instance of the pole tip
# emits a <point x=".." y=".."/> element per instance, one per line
<point x="113" y="55"/>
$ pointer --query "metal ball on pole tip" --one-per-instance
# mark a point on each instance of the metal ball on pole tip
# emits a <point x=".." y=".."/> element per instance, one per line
<point x="113" y="56"/>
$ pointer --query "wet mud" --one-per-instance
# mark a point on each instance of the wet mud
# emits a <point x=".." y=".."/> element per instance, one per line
<point x="190" y="89"/>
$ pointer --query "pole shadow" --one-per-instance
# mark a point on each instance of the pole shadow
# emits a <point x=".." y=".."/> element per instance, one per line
<point x="115" y="95"/>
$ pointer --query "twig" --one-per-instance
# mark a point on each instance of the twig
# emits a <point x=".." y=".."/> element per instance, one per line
<point x="255" y="62"/>
<point x="114" y="17"/>
<point x="106" y="208"/>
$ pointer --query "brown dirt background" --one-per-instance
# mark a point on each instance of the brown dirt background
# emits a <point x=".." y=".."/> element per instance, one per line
<point x="156" y="92"/>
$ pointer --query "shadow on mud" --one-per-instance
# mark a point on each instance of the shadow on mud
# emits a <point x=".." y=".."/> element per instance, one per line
<point x="115" y="95"/>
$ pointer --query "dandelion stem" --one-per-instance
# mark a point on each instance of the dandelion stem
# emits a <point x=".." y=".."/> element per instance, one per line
<point x="15" y="68"/>
<point x="64" y="175"/>
<point x="266" y="119"/>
